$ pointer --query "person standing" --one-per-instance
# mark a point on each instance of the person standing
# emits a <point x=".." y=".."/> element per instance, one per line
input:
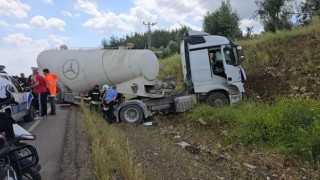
<point x="51" y="83"/>
<point x="109" y="97"/>
<point x="22" y="80"/>
<point x="40" y="90"/>
<point x="94" y="95"/>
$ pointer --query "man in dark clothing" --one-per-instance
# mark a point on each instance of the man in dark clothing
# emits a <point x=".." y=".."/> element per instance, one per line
<point x="109" y="97"/>
<point x="23" y="80"/>
<point x="6" y="122"/>
<point x="94" y="96"/>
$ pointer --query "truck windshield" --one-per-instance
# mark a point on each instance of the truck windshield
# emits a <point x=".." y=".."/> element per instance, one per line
<point x="230" y="56"/>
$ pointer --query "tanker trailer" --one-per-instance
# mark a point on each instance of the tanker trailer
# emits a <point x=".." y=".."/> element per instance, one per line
<point x="134" y="71"/>
<point x="210" y="64"/>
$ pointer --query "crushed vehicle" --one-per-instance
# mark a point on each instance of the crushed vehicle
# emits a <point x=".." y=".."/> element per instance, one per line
<point x="15" y="100"/>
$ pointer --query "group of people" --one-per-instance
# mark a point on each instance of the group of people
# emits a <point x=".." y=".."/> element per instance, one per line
<point x="107" y="99"/>
<point x="43" y="86"/>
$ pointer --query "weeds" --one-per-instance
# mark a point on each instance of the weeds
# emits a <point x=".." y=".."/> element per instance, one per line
<point x="172" y="66"/>
<point x="113" y="158"/>
<point x="289" y="126"/>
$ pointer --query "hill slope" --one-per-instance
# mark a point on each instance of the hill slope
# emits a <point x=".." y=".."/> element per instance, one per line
<point x="284" y="64"/>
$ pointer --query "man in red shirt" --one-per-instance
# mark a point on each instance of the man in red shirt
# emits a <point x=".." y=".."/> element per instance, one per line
<point x="40" y="90"/>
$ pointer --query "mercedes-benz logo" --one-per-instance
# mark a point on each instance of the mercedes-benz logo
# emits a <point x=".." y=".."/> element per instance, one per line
<point x="70" y="69"/>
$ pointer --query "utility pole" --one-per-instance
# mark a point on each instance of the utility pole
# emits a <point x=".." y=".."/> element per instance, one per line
<point x="149" y="32"/>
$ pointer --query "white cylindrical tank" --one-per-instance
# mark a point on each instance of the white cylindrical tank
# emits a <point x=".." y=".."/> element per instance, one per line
<point x="80" y="70"/>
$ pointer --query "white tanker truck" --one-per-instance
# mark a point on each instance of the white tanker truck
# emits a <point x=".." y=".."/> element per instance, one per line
<point x="211" y="71"/>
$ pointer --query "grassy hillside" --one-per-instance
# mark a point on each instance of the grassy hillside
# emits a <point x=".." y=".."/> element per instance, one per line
<point x="172" y="66"/>
<point x="286" y="63"/>
<point x="282" y="64"/>
<point x="283" y="73"/>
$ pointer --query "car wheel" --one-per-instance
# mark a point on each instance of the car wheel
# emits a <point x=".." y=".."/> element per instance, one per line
<point x="30" y="116"/>
<point x="131" y="114"/>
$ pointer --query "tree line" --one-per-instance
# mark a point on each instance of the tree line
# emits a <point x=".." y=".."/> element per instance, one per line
<point x="274" y="15"/>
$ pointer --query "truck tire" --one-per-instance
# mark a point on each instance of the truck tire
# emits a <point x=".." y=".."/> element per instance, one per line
<point x="131" y="114"/>
<point x="58" y="97"/>
<point x="217" y="99"/>
<point x="30" y="116"/>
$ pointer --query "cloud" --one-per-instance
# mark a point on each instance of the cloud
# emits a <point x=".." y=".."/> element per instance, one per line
<point x="181" y="24"/>
<point x="69" y="14"/>
<point x="167" y="11"/>
<point x="24" y="57"/>
<point x="48" y="2"/>
<point x="257" y="27"/>
<point x="88" y="7"/>
<point x="14" y="8"/>
<point x="22" y="26"/>
<point x="19" y="61"/>
<point x="114" y="23"/>
<point x="52" y="23"/>
<point x="21" y="40"/>
<point x="4" y="24"/>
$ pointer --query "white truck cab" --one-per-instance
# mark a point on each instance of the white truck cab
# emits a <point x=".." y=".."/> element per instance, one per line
<point x="13" y="99"/>
<point x="211" y="68"/>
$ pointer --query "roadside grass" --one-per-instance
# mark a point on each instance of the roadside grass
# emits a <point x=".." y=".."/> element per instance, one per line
<point x="113" y="158"/>
<point x="286" y="45"/>
<point x="172" y="66"/>
<point x="287" y="126"/>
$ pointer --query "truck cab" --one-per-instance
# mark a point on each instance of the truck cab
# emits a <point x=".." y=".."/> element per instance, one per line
<point x="211" y="68"/>
<point x="14" y="100"/>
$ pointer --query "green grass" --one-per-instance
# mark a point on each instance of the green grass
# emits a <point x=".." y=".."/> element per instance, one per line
<point x="111" y="154"/>
<point x="172" y="66"/>
<point x="284" y="45"/>
<point x="289" y="126"/>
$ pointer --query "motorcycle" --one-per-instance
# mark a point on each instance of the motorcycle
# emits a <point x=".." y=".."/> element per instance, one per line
<point x="19" y="160"/>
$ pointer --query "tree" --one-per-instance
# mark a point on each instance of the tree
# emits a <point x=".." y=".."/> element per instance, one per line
<point x="224" y="22"/>
<point x="310" y="9"/>
<point x="113" y="42"/>
<point x="274" y="14"/>
<point x="248" y="33"/>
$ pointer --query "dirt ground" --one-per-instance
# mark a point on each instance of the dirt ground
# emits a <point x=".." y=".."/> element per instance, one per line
<point x="157" y="152"/>
<point x="77" y="160"/>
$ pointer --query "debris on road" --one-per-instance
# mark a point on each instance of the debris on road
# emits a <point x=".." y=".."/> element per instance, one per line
<point x="249" y="166"/>
<point x="147" y="123"/>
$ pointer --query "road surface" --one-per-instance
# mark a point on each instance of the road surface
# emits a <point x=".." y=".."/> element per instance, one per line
<point x="50" y="140"/>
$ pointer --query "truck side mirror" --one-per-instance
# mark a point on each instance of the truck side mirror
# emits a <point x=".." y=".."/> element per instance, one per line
<point x="241" y="58"/>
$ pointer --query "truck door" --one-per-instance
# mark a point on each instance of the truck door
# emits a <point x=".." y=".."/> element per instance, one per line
<point x="232" y="70"/>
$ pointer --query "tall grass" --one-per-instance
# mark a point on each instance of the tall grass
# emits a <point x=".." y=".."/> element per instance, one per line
<point x="113" y="158"/>
<point x="289" y="126"/>
<point x="283" y="45"/>
<point x="172" y="66"/>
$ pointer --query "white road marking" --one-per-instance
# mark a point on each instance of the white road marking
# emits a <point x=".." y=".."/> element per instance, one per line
<point x="37" y="122"/>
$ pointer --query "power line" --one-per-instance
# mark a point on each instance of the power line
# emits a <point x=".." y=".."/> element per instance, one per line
<point x="149" y="25"/>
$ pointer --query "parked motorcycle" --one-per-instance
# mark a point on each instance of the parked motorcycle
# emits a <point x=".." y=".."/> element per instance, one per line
<point x="18" y="160"/>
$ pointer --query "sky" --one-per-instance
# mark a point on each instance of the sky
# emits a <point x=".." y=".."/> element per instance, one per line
<point x="28" y="27"/>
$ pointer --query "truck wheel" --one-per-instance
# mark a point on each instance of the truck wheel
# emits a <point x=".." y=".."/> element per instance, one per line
<point x="217" y="99"/>
<point x="30" y="116"/>
<point x="131" y="114"/>
<point x="58" y="97"/>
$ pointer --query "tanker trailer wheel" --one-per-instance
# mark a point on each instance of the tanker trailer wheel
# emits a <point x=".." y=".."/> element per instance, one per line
<point x="131" y="114"/>
<point x="217" y="99"/>
<point x="58" y="97"/>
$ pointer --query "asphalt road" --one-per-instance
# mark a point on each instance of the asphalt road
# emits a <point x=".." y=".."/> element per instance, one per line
<point x="50" y="140"/>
